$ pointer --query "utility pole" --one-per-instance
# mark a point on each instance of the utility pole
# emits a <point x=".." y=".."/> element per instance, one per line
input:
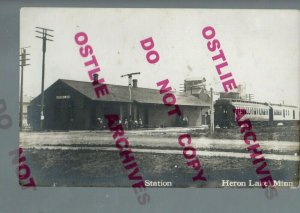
<point x="44" y="38"/>
<point x="212" y="124"/>
<point x="22" y="65"/>
<point x="130" y="86"/>
<point x="250" y="97"/>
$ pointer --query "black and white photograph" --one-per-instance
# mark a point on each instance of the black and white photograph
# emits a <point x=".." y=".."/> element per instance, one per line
<point x="170" y="98"/>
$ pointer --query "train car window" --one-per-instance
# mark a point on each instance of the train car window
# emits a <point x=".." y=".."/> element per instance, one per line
<point x="294" y="114"/>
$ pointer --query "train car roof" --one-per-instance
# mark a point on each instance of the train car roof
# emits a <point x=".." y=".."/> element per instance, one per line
<point x="254" y="102"/>
<point x="283" y="105"/>
<point x="241" y="101"/>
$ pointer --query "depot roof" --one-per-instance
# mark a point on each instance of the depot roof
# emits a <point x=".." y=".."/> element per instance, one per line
<point x="120" y="93"/>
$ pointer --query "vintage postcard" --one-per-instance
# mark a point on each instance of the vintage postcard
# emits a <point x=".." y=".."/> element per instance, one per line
<point x="159" y="98"/>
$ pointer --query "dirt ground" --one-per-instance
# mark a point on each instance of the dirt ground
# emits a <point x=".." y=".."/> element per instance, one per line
<point x="104" y="168"/>
<point x="277" y="133"/>
<point x="80" y="157"/>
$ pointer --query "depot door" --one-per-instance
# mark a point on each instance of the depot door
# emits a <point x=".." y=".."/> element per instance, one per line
<point x="293" y="114"/>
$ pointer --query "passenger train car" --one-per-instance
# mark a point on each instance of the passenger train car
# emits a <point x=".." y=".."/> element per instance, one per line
<point x="257" y="112"/>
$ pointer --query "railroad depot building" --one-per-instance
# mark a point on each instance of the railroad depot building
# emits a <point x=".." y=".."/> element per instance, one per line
<point x="73" y="105"/>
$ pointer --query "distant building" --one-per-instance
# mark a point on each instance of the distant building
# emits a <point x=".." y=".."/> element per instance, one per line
<point x="197" y="88"/>
<point x="242" y="91"/>
<point x="73" y="105"/>
<point x="230" y="95"/>
<point x="26" y="102"/>
<point x="240" y="94"/>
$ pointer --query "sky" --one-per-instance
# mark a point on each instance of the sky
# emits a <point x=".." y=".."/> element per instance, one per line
<point x="261" y="47"/>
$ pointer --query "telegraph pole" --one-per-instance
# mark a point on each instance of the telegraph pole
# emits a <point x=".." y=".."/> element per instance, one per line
<point x="212" y="125"/>
<point x="44" y="38"/>
<point x="22" y="65"/>
<point x="130" y="86"/>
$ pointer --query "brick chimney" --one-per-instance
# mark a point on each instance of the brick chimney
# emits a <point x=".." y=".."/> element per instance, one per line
<point x="135" y="81"/>
<point x="95" y="77"/>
